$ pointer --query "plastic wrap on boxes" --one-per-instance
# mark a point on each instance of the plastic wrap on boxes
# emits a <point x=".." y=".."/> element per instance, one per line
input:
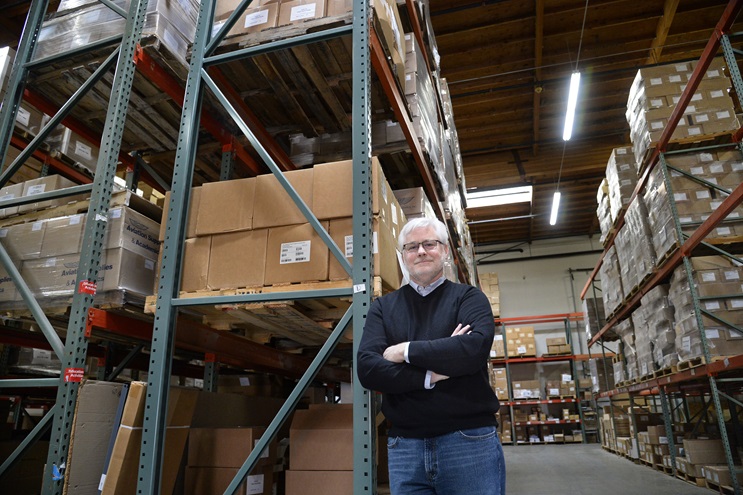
<point x="626" y="331"/>
<point x="603" y="212"/>
<point x="659" y="319"/>
<point x="594" y="318"/>
<point x="611" y="282"/>
<point x="621" y="177"/>
<point x="712" y="275"/>
<point x="172" y="22"/>
<point x="634" y="246"/>
<point x="655" y="92"/>
<point x="643" y="342"/>
<point x="602" y="374"/>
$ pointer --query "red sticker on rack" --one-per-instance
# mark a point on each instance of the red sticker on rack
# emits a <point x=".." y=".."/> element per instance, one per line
<point x="74" y="374"/>
<point x="87" y="287"/>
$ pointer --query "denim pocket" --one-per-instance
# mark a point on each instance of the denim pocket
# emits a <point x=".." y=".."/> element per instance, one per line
<point x="482" y="433"/>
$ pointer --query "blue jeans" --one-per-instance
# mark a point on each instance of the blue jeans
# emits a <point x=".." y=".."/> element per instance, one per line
<point x="465" y="462"/>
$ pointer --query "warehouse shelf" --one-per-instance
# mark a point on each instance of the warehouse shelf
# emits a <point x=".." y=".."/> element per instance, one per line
<point x="527" y="402"/>
<point x="210" y="91"/>
<point x="717" y="378"/>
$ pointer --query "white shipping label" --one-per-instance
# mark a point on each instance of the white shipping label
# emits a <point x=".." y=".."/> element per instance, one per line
<point x="149" y="264"/>
<point x="256" y="18"/>
<point x="696" y="170"/>
<point x="702" y="117"/>
<point x="690" y="109"/>
<point x="83" y="150"/>
<point x="674" y="78"/>
<point x="724" y="114"/>
<point x="709" y="277"/>
<point x="302" y="12"/>
<point x="712" y="333"/>
<point x="655" y="81"/>
<point x="644" y="368"/>
<point x="734" y="334"/>
<point x="23" y="116"/>
<point x="348" y="246"/>
<point x="383" y="190"/>
<point x="657" y="124"/>
<point x="716" y="168"/>
<point x="36" y="226"/>
<point x="566" y="378"/>
<point x="714" y="205"/>
<point x="737" y="167"/>
<point x="115" y="213"/>
<point x="706" y="157"/>
<point x="42" y="356"/>
<point x="736" y="303"/>
<point x="255" y="485"/>
<point x="36" y="189"/>
<point x="711" y="305"/>
<point x="713" y="73"/>
<point x="686" y="343"/>
<point x="681" y="68"/>
<point x="521" y="349"/>
<point x="50" y="262"/>
<point x="717" y="93"/>
<point x="731" y="274"/>
<point x="721" y="231"/>
<point x="697" y="97"/>
<point x="694" y="131"/>
<point x="492" y="354"/>
<point x="685" y="220"/>
<point x="76" y="219"/>
<point x="295" y="252"/>
<point x="656" y="103"/>
<point x="496" y="338"/>
<point x="680" y="196"/>
<point x="703" y="194"/>
<point x="244" y="381"/>
<point x="394" y="215"/>
<point x="622" y="151"/>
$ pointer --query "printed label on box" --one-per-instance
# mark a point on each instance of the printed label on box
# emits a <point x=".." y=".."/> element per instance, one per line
<point x="42" y="356"/>
<point x="83" y="150"/>
<point x="712" y="333"/>
<point x="302" y="12"/>
<point x="711" y="305"/>
<point x="256" y="18"/>
<point x="255" y="484"/>
<point x="36" y="189"/>
<point x="23" y="116"/>
<point x="724" y="114"/>
<point x="295" y="252"/>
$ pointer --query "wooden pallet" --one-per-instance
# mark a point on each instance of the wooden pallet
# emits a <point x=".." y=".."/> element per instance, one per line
<point x="721" y="489"/>
<point x="689" y="143"/>
<point x="691" y="479"/>
<point x="691" y="363"/>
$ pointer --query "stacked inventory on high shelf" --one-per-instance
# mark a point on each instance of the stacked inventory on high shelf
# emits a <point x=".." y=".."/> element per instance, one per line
<point x="237" y="83"/>
<point x="670" y="277"/>
<point x="555" y="398"/>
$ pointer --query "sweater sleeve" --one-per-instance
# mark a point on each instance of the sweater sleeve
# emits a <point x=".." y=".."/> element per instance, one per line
<point x="375" y="372"/>
<point x="463" y="354"/>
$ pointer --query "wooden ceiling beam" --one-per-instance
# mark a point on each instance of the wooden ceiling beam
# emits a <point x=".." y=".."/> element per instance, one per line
<point x="538" y="48"/>
<point x="661" y="31"/>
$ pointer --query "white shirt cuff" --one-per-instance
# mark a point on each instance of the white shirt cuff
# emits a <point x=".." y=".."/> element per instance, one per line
<point x="405" y="353"/>
<point x="427" y="384"/>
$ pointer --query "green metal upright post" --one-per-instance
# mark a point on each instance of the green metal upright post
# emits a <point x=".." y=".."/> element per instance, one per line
<point x="364" y="404"/>
<point x="73" y="361"/>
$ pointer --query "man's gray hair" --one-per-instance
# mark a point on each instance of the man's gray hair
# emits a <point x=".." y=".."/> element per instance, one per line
<point x="423" y="222"/>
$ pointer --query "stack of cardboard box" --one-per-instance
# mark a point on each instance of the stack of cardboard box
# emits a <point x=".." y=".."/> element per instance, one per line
<point x="520" y="342"/>
<point x="489" y="285"/>
<point x="558" y="345"/>
<point x="499" y="382"/>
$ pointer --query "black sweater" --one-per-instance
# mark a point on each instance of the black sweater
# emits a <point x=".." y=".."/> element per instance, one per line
<point x="465" y="400"/>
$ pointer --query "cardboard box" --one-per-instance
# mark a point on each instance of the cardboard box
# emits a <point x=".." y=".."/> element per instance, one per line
<point x="321" y="439"/>
<point x="207" y="480"/>
<point x="227" y="447"/>
<point x="253" y="20"/>
<point x="384" y="252"/>
<point x="298" y="11"/>
<point x="63" y="235"/>
<point x="319" y="482"/>
<point x="45" y="185"/>
<point x="23" y="241"/>
<point x="273" y="207"/>
<point x="74" y="147"/>
<point x="8" y="290"/>
<point x="196" y="263"/>
<point x="226" y="206"/>
<point x="295" y="253"/>
<point x="193" y="210"/>
<point x="414" y="203"/>
<point x="92" y="426"/>
<point x="702" y="451"/>
<point x="339" y="7"/>
<point x="237" y="260"/>
<point x="332" y="189"/>
<point x="720" y="475"/>
<point x="121" y="477"/>
<point x="6" y="194"/>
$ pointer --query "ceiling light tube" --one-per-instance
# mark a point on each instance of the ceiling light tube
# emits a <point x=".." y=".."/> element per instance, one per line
<point x="555" y="207"/>
<point x="572" y="102"/>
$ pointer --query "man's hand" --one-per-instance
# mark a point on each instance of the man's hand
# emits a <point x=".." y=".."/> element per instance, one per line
<point x="395" y="353"/>
<point x="461" y="330"/>
<point x="435" y="377"/>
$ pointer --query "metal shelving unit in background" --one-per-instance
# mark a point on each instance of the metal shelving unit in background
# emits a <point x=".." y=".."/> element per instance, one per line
<point x="717" y="378"/>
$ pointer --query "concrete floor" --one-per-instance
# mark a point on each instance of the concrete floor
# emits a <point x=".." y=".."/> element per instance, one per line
<point x="585" y="470"/>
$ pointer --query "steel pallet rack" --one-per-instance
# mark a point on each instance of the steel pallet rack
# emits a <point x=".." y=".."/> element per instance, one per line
<point x="567" y="319"/>
<point x="368" y="55"/>
<point x="716" y="374"/>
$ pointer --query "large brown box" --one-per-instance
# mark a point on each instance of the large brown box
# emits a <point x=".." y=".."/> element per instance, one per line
<point x="273" y="206"/>
<point x="253" y="19"/>
<point x="297" y="11"/>
<point x="321" y="439"/>
<point x="227" y="447"/>
<point x="23" y="241"/>
<point x="226" y="206"/>
<point x="121" y="477"/>
<point x="319" y="482"/>
<point x="63" y="235"/>
<point x="332" y="189"/>
<point x="193" y="210"/>
<point x="703" y="451"/>
<point x="6" y="194"/>
<point x="295" y="253"/>
<point x="44" y="185"/>
<point x="384" y="254"/>
<point x="196" y="263"/>
<point x="133" y="231"/>
<point x="214" y="480"/>
<point x="237" y="260"/>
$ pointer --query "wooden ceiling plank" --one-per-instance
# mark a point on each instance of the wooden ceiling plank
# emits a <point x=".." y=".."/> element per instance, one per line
<point x="661" y="32"/>
<point x="538" y="48"/>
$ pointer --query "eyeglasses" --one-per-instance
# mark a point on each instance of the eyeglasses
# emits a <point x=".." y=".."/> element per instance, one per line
<point x="428" y="245"/>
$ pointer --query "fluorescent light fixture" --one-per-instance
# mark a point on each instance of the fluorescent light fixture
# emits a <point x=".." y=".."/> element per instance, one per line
<point x="497" y="197"/>
<point x="572" y="102"/>
<point x="555" y="207"/>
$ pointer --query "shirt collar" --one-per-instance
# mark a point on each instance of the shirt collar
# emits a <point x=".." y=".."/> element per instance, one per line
<point x="424" y="291"/>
